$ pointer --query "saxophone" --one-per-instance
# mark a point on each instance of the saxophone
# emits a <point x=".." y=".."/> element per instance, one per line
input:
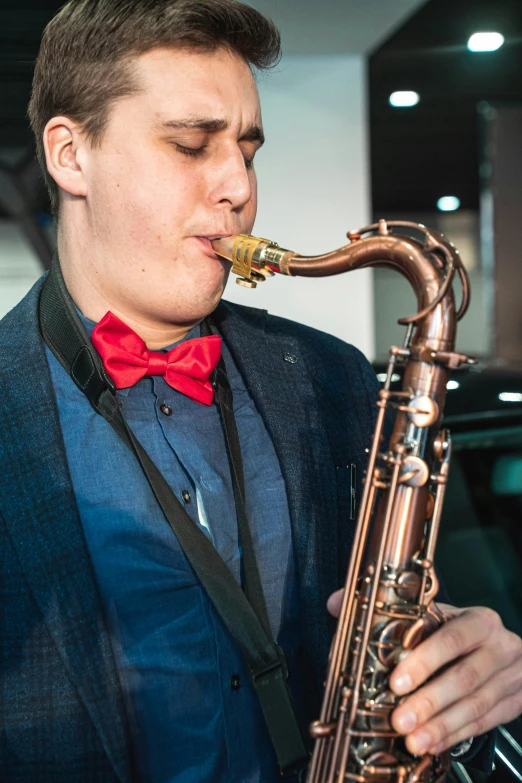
<point x="388" y="606"/>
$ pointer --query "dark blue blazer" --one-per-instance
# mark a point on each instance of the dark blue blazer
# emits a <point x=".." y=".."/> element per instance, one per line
<point x="62" y="716"/>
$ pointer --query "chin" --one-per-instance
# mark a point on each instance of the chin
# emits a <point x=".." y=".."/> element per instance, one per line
<point x="215" y="300"/>
<point x="214" y="287"/>
<point x="204" y="302"/>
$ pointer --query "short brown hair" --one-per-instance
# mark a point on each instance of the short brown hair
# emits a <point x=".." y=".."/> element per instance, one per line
<point x="84" y="64"/>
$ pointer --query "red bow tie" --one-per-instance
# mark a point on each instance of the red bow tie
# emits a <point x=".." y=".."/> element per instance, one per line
<point x="186" y="368"/>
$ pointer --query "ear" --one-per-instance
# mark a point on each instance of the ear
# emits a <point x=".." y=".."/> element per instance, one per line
<point x="65" y="155"/>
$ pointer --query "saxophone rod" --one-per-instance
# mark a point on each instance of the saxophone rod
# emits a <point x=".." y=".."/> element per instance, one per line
<point x="346" y="617"/>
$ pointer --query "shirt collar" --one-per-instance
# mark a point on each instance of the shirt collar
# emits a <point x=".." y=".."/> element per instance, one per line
<point x="89" y="326"/>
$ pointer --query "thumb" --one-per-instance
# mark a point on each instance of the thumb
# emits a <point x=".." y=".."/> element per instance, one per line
<point x="334" y="602"/>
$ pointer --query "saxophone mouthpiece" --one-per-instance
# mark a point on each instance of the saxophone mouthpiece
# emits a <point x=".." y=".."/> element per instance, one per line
<point x="253" y="259"/>
<point x="223" y="247"/>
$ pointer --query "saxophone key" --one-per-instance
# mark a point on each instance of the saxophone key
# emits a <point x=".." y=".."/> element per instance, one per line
<point x="320" y="730"/>
<point x="408" y="585"/>
<point x="414" y="472"/>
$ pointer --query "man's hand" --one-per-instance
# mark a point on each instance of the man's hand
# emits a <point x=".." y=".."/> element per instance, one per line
<point x="480" y="688"/>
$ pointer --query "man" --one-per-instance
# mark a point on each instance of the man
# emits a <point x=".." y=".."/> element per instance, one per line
<point x="114" y="663"/>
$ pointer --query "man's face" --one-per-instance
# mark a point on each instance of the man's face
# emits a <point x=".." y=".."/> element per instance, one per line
<point x="174" y="168"/>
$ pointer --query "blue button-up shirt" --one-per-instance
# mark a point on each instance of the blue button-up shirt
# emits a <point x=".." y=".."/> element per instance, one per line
<point x="193" y="713"/>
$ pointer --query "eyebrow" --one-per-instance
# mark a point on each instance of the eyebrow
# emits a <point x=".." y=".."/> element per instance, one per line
<point x="208" y="125"/>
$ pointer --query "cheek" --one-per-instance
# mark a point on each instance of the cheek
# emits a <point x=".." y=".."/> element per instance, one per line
<point x="166" y="197"/>
<point x="250" y="209"/>
<point x="145" y="200"/>
<point x="117" y="204"/>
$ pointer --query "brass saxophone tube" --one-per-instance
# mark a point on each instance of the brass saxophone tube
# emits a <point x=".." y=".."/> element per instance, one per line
<point x="388" y="606"/>
<point x="251" y="257"/>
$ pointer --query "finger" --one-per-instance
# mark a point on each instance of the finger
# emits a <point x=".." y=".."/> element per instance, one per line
<point x="458" y="636"/>
<point x="334" y="603"/>
<point x="457" y="682"/>
<point x="450" y="611"/>
<point x="478" y="710"/>
<point x="504" y="712"/>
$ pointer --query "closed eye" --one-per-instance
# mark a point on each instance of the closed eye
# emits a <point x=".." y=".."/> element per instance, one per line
<point x="198" y="152"/>
<point x="194" y="152"/>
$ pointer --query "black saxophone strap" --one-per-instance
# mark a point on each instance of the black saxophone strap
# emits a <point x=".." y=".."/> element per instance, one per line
<point x="242" y="611"/>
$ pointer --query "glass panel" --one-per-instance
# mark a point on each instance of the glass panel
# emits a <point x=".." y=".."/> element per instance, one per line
<point x="479" y="554"/>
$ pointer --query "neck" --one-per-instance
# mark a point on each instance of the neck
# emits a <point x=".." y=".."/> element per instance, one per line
<point x="93" y="302"/>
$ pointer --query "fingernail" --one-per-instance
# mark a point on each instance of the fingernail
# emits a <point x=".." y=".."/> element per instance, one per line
<point x="406" y="722"/>
<point x="402" y="684"/>
<point x="421" y="742"/>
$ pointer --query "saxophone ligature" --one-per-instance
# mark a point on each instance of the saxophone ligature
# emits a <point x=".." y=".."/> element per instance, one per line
<point x="388" y="606"/>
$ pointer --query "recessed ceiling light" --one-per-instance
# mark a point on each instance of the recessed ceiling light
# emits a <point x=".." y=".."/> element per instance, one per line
<point x="485" y="42"/>
<point x="404" y="98"/>
<point x="510" y="397"/>
<point x="448" y="203"/>
<point x="452" y="385"/>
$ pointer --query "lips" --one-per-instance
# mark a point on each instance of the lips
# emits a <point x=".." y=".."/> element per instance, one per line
<point x="205" y="243"/>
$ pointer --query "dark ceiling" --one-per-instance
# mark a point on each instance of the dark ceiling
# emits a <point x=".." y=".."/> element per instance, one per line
<point x="434" y="149"/>
<point x="21" y="27"/>
<point x="417" y="154"/>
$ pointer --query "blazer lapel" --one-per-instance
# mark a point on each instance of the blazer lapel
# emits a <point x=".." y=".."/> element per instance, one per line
<point x="274" y="368"/>
<point x="39" y="509"/>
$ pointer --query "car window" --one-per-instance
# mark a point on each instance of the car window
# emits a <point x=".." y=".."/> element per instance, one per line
<point x="479" y="553"/>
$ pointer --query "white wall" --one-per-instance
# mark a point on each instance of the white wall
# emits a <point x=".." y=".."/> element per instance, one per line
<point x="19" y="266"/>
<point x="313" y="187"/>
<point x="335" y="26"/>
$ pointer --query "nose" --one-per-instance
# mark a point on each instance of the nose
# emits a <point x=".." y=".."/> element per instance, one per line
<point x="231" y="183"/>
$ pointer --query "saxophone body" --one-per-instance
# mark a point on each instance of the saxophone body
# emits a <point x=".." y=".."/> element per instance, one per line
<point x="388" y="607"/>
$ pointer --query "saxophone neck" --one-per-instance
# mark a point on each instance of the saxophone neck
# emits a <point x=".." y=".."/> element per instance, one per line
<point x="429" y="265"/>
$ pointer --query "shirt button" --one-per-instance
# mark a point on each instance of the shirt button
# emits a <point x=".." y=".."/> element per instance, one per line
<point x="166" y="409"/>
<point x="235" y="682"/>
<point x="186" y="496"/>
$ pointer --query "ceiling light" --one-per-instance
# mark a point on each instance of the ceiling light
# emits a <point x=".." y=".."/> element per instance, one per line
<point x="381" y="376"/>
<point x="452" y="385"/>
<point x="510" y="397"/>
<point x="448" y="203"/>
<point x="404" y="98"/>
<point x="485" y="42"/>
